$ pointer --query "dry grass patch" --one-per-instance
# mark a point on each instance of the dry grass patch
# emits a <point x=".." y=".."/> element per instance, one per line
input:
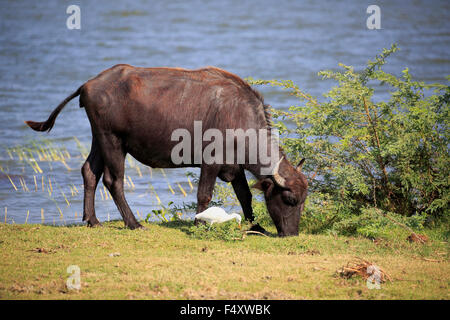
<point x="167" y="263"/>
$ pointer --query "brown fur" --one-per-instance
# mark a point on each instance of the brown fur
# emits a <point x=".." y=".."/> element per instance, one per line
<point x="135" y="110"/>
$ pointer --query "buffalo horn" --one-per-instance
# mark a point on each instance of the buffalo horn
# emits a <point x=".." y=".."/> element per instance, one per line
<point x="276" y="176"/>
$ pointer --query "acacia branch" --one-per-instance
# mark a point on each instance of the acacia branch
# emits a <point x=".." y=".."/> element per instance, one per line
<point x="376" y="142"/>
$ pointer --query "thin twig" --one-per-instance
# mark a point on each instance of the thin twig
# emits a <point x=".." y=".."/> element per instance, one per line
<point x="256" y="232"/>
<point x="401" y="225"/>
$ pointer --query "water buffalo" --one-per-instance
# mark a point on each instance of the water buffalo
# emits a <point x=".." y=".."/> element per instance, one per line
<point x="135" y="110"/>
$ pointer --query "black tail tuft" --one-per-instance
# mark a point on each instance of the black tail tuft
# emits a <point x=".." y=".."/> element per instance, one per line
<point x="48" y="125"/>
<point x="38" y="126"/>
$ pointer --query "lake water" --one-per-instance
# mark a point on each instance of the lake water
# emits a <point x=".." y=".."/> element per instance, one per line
<point x="42" y="62"/>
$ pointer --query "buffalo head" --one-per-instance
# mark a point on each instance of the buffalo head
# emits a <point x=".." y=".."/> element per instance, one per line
<point x="285" y="194"/>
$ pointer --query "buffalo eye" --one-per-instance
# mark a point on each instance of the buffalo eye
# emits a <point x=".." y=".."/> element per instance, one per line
<point x="289" y="198"/>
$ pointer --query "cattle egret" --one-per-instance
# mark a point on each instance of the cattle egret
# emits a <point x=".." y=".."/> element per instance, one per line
<point x="217" y="215"/>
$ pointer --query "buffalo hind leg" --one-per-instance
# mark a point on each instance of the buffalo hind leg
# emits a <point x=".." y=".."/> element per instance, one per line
<point x="208" y="175"/>
<point x="114" y="169"/>
<point x="92" y="171"/>
<point x="242" y="190"/>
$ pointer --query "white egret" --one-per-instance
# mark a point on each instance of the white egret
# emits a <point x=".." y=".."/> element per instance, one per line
<point x="217" y="215"/>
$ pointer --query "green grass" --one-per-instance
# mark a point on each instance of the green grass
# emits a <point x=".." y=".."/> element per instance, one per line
<point x="167" y="261"/>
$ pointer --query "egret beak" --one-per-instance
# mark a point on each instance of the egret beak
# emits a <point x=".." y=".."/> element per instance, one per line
<point x="239" y="226"/>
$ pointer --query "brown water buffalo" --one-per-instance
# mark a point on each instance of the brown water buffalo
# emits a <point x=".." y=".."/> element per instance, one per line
<point x="136" y="111"/>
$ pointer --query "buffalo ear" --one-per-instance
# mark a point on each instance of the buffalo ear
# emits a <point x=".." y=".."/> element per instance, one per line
<point x="264" y="185"/>
<point x="300" y="165"/>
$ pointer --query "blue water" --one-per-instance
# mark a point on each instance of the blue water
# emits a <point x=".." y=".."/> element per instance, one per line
<point x="42" y="62"/>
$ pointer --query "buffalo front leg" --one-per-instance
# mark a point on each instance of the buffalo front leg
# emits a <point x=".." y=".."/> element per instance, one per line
<point x="208" y="175"/>
<point x="242" y="190"/>
<point x="92" y="171"/>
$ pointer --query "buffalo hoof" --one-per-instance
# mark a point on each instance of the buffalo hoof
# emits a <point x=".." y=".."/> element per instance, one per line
<point x="135" y="226"/>
<point x="199" y="222"/>
<point x="258" y="228"/>
<point x="93" y="223"/>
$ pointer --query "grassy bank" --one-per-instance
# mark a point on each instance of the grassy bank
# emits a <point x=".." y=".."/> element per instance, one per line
<point x="166" y="262"/>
